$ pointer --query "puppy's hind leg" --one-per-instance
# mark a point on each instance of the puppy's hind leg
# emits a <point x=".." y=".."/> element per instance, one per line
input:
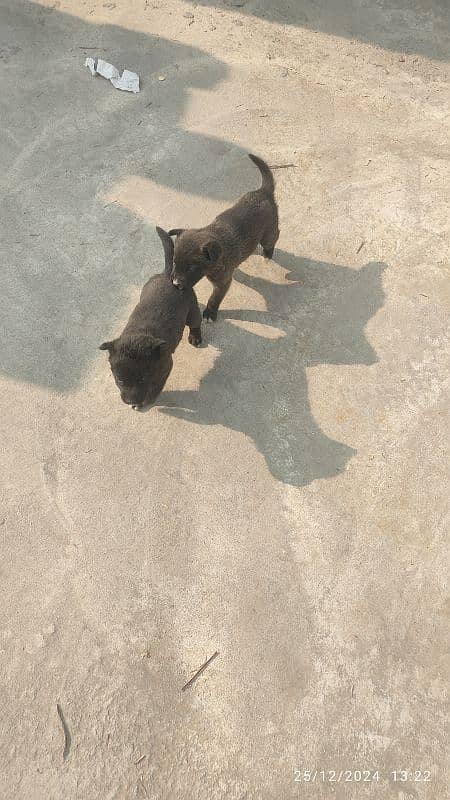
<point x="194" y="323"/>
<point x="269" y="241"/>
<point x="270" y="236"/>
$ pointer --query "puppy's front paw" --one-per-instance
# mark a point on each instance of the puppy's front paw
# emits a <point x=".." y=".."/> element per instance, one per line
<point x="209" y="314"/>
<point x="195" y="337"/>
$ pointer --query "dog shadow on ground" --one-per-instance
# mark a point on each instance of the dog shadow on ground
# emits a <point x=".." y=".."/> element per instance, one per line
<point x="258" y="384"/>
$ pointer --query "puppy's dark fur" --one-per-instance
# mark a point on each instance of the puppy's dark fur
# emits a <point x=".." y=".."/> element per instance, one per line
<point x="141" y="358"/>
<point x="216" y="251"/>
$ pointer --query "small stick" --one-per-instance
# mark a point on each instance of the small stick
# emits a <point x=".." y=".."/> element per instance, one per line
<point x="282" y="166"/>
<point x="141" y="759"/>
<point x="199" y="671"/>
<point x="67" y="736"/>
<point x="360" y="247"/>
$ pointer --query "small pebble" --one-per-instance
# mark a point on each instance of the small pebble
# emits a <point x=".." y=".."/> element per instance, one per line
<point x="280" y="408"/>
<point x="161" y="77"/>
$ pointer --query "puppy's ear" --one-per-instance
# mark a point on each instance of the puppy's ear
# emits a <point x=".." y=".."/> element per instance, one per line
<point x="211" y="251"/>
<point x="176" y="231"/>
<point x="108" y="346"/>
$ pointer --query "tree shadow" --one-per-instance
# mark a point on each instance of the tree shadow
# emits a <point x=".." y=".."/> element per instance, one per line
<point x="407" y="26"/>
<point x="258" y="385"/>
<point x="68" y="257"/>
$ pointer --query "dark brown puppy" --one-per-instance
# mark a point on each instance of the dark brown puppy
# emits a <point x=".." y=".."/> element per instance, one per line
<point x="141" y="358"/>
<point x="216" y="251"/>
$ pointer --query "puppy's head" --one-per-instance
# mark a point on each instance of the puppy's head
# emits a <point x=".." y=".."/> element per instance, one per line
<point x="195" y="254"/>
<point x="140" y="365"/>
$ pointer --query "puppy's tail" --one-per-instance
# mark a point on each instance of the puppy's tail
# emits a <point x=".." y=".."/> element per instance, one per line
<point x="167" y="244"/>
<point x="268" y="183"/>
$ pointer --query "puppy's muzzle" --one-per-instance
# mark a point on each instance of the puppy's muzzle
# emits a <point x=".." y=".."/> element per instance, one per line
<point x="178" y="282"/>
<point x="135" y="405"/>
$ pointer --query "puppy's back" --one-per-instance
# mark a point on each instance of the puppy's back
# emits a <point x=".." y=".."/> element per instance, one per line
<point x="162" y="310"/>
<point x="255" y="209"/>
<point x="243" y="226"/>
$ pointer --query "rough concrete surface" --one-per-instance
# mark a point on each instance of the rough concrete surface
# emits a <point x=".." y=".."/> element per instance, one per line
<point x="285" y="503"/>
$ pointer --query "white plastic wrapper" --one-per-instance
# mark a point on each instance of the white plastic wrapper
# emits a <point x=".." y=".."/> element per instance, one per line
<point x="128" y="81"/>
<point x="90" y="64"/>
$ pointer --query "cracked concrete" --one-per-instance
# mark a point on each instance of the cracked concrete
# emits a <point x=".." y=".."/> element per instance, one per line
<point x="285" y="503"/>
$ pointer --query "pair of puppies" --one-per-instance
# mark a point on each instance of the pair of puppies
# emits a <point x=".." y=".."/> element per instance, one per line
<point x="141" y="357"/>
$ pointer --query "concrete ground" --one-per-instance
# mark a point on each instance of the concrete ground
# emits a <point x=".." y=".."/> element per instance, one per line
<point x="285" y="502"/>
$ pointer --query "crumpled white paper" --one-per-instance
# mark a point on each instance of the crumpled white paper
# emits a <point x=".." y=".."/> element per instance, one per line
<point x="128" y="81"/>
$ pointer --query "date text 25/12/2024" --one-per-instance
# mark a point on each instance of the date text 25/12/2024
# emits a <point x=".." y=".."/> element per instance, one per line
<point x="361" y="775"/>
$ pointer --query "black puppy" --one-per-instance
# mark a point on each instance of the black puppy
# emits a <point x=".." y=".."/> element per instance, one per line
<point x="141" y="358"/>
<point x="216" y="250"/>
